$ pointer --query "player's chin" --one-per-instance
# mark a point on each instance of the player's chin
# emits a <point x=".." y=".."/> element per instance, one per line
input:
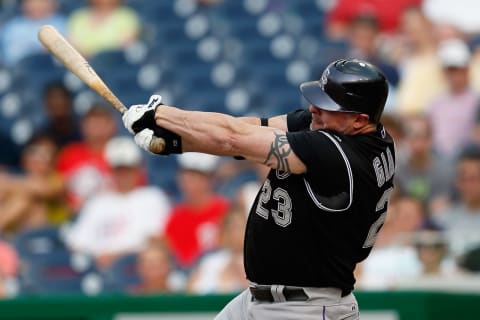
<point x="316" y="126"/>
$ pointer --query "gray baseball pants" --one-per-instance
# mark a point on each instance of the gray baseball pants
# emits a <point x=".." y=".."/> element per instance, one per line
<point x="322" y="304"/>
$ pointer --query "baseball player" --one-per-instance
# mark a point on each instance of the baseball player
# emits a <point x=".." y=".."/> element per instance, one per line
<point x="324" y="201"/>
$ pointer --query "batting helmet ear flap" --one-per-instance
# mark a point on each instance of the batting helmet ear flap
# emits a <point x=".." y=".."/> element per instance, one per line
<point x="349" y="85"/>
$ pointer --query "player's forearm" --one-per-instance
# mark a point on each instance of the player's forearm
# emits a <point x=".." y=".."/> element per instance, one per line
<point x="207" y="132"/>
<point x="250" y="120"/>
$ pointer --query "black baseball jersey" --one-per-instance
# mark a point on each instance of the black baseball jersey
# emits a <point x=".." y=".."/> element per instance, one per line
<point x="312" y="229"/>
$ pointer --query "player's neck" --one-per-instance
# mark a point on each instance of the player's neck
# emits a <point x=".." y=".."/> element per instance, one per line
<point x="370" y="127"/>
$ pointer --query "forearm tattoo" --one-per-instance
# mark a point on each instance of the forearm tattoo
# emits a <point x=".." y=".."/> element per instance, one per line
<point x="279" y="151"/>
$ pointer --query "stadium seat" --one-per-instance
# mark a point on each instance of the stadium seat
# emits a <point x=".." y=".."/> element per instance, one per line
<point x="5" y="80"/>
<point x="152" y="10"/>
<point x="119" y="75"/>
<point x="33" y="72"/>
<point x="232" y="10"/>
<point x="109" y="60"/>
<point x="59" y="273"/>
<point x="39" y="243"/>
<point x="245" y="30"/>
<point x="212" y="100"/>
<point x="8" y="9"/>
<point x="121" y="276"/>
<point x="194" y="77"/>
<point x="330" y="50"/>
<point x="162" y="172"/>
<point x="68" y="6"/>
<point x="313" y="26"/>
<point x="308" y="9"/>
<point x="166" y="34"/>
<point x="257" y="54"/>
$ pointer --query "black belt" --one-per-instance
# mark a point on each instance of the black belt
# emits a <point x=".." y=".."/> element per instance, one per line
<point x="264" y="293"/>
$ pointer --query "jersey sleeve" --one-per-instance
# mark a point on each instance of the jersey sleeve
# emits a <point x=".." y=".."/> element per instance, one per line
<point x="329" y="175"/>
<point x="299" y="120"/>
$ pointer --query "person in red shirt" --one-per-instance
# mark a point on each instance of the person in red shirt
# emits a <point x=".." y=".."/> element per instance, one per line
<point x="82" y="163"/>
<point x="387" y="12"/>
<point x="194" y="223"/>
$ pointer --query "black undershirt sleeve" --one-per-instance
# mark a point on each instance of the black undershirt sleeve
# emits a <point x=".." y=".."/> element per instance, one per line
<point x="299" y="120"/>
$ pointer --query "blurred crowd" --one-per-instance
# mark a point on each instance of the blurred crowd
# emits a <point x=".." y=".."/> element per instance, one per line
<point x="81" y="211"/>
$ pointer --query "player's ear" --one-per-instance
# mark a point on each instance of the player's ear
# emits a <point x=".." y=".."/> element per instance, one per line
<point x="361" y="119"/>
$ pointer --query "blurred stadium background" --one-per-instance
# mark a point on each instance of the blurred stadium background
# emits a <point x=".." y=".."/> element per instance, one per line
<point x="241" y="57"/>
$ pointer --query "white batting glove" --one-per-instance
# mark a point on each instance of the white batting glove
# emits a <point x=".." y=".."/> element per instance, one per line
<point x="136" y="112"/>
<point x="144" y="138"/>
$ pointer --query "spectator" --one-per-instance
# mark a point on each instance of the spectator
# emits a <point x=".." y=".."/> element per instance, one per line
<point x="394" y="126"/>
<point x="436" y="267"/>
<point x="222" y="271"/>
<point x="154" y="268"/>
<point x="461" y="221"/>
<point x="457" y="107"/>
<point x="34" y="198"/>
<point x="344" y="11"/>
<point x="421" y="174"/>
<point x="118" y="222"/>
<point x="421" y="76"/>
<point x="82" y="163"/>
<point x="193" y="226"/>
<point x="461" y="14"/>
<point x="103" y="25"/>
<point x="9" y="265"/>
<point x="432" y="251"/>
<point x="18" y="37"/>
<point x="364" y="41"/>
<point x="474" y="44"/>
<point x="61" y="123"/>
<point x="394" y="258"/>
<point x="475" y="135"/>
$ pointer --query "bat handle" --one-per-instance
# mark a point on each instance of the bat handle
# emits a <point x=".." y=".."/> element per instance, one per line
<point x="157" y="145"/>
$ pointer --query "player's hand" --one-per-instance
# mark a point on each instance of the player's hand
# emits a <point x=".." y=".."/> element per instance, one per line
<point x="141" y="116"/>
<point x="173" y="142"/>
<point x="144" y="138"/>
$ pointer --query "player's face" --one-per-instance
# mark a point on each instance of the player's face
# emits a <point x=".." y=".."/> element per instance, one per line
<point x="333" y="120"/>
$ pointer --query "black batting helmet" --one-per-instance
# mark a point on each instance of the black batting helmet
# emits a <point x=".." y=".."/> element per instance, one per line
<point x="349" y="85"/>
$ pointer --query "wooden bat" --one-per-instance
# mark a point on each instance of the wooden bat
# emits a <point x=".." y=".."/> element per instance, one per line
<point x="73" y="60"/>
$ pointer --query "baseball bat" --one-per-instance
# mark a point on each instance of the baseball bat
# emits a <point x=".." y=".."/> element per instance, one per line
<point x="76" y="63"/>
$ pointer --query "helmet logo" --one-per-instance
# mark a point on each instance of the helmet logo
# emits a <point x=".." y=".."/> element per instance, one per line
<point x="324" y="79"/>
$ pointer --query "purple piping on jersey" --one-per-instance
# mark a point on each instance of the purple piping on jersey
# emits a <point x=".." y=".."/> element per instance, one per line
<point x="323" y="313"/>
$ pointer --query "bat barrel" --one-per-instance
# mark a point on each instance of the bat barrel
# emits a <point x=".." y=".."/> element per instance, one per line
<point x="76" y="63"/>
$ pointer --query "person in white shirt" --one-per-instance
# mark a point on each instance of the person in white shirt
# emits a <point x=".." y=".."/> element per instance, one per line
<point x="221" y="271"/>
<point x="461" y="220"/>
<point x="119" y="222"/>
